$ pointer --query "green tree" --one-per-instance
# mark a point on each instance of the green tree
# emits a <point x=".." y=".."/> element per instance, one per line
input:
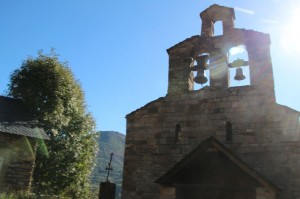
<point x="49" y="89"/>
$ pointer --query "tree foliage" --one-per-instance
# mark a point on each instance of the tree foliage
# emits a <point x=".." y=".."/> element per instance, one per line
<point x="49" y="89"/>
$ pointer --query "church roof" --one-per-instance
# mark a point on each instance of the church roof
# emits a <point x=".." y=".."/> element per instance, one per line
<point x="16" y="119"/>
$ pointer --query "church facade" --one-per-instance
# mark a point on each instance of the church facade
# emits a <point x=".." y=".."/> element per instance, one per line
<point x="223" y="140"/>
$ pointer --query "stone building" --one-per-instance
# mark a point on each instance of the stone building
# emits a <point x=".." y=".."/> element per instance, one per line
<point x="220" y="141"/>
<point x="18" y="136"/>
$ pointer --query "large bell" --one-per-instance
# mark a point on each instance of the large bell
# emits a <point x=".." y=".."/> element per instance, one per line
<point x="239" y="75"/>
<point x="201" y="61"/>
<point x="200" y="77"/>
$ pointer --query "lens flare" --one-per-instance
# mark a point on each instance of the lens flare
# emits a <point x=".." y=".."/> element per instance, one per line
<point x="290" y="40"/>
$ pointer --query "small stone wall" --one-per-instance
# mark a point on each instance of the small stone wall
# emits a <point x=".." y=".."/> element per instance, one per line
<point x="18" y="160"/>
<point x="167" y="192"/>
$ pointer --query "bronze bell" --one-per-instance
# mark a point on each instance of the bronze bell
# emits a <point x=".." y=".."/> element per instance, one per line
<point x="200" y="77"/>
<point x="239" y="75"/>
<point x="201" y="61"/>
<point x="201" y="66"/>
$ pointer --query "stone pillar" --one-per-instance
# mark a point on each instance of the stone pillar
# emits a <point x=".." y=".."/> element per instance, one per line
<point x="218" y="70"/>
<point x="107" y="190"/>
<point x="207" y="28"/>
<point x="260" y="64"/>
<point x="180" y="74"/>
<point x="228" y="25"/>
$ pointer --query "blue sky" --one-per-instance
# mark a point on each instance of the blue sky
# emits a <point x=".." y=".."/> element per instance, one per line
<point x="117" y="49"/>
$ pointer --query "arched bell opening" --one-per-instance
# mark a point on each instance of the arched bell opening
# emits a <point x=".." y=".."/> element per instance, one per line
<point x="238" y="63"/>
<point x="201" y="72"/>
<point x="218" y="28"/>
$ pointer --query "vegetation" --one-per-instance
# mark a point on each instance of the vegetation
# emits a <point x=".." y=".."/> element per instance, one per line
<point x="109" y="142"/>
<point x="49" y="89"/>
<point x="28" y="195"/>
<point x="17" y="195"/>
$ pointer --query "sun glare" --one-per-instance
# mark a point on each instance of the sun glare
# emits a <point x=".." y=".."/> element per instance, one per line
<point x="290" y="36"/>
<point x="237" y="50"/>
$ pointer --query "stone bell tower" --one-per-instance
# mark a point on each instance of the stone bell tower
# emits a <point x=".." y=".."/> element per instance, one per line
<point x="220" y="141"/>
<point x="181" y="78"/>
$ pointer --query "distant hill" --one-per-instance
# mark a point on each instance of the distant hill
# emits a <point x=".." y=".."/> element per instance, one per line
<point x="109" y="142"/>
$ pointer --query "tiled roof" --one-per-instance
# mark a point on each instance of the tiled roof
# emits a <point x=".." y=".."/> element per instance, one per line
<point x="16" y="119"/>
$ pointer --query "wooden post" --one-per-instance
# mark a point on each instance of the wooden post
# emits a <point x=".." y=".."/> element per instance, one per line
<point x="107" y="190"/>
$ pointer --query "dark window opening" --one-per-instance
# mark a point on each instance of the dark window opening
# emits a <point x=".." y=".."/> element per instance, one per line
<point x="177" y="131"/>
<point x="228" y="132"/>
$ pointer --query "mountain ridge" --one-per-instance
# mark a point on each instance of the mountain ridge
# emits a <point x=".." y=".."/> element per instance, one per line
<point x="109" y="142"/>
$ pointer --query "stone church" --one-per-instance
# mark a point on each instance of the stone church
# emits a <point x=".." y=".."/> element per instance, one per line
<point x="222" y="140"/>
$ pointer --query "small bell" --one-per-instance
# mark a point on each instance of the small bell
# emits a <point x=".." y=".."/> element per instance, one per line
<point x="200" y="77"/>
<point x="239" y="75"/>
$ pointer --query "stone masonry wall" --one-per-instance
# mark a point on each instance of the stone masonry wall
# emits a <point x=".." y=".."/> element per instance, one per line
<point x="265" y="135"/>
<point x="18" y="160"/>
